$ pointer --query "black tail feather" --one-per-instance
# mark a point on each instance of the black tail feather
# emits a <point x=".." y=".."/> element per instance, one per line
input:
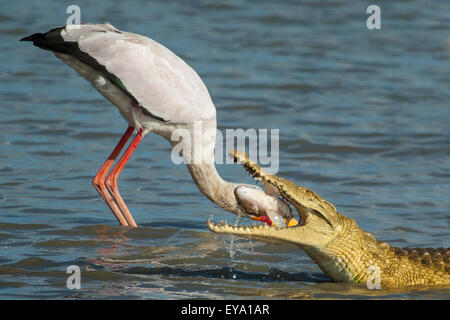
<point x="50" y="40"/>
<point x="32" y="37"/>
<point x="39" y="40"/>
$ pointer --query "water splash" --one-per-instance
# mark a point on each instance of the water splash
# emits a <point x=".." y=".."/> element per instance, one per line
<point x="238" y="217"/>
<point x="231" y="249"/>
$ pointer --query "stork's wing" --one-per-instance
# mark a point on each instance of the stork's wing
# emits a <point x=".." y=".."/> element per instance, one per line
<point x="162" y="83"/>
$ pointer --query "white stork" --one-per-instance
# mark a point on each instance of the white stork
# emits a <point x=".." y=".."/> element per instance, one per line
<point x="155" y="91"/>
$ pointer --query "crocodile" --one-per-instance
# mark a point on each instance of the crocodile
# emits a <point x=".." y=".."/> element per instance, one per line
<point x="337" y="244"/>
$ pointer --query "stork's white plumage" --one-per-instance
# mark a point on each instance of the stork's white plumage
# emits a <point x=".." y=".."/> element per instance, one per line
<point x="155" y="91"/>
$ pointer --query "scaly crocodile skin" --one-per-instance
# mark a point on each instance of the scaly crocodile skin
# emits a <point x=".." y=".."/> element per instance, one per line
<point x="336" y="243"/>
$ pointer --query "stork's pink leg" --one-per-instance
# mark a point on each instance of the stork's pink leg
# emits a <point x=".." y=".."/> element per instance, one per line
<point x="111" y="179"/>
<point x="99" y="180"/>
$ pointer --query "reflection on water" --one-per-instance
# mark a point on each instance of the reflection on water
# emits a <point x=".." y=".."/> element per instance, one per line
<point x="363" y="119"/>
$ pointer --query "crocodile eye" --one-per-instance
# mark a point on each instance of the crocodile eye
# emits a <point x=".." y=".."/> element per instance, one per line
<point x="310" y="193"/>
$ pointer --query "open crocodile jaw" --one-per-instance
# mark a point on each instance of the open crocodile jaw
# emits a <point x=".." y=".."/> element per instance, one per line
<point x="254" y="212"/>
<point x="261" y="206"/>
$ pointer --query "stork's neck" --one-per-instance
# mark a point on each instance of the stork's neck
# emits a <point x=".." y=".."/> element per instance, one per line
<point x="214" y="187"/>
<point x="198" y="143"/>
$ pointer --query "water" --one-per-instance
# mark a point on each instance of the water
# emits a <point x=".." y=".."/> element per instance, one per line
<point x="363" y="118"/>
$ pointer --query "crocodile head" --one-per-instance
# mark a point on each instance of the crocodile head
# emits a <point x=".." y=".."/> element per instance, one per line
<point x="319" y="222"/>
<point x="335" y="242"/>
